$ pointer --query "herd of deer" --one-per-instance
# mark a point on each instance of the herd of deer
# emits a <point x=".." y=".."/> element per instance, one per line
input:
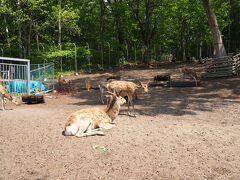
<point x="92" y="121"/>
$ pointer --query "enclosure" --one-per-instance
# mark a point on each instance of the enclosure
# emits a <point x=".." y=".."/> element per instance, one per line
<point x="20" y="77"/>
<point x="179" y="133"/>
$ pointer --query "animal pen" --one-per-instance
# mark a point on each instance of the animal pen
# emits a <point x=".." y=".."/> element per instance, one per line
<point x="20" y="77"/>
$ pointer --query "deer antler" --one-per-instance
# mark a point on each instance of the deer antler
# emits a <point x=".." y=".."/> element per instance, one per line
<point x="112" y="93"/>
<point x="118" y="93"/>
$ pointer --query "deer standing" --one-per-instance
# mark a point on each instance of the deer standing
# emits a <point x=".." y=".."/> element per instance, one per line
<point x="90" y="121"/>
<point x="128" y="89"/>
<point x="187" y="72"/>
<point x="4" y="94"/>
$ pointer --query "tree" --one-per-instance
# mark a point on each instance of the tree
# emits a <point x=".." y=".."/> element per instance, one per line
<point x="219" y="49"/>
<point x="147" y="22"/>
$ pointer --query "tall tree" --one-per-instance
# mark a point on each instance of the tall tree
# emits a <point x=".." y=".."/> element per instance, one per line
<point x="143" y="12"/>
<point x="219" y="49"/>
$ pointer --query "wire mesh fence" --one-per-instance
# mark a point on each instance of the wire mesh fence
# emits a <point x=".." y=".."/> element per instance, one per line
<point x="20" y="78"/>
<point x="42" y="77"/>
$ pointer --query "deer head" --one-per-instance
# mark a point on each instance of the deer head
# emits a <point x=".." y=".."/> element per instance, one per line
<point x="143" y="88"/>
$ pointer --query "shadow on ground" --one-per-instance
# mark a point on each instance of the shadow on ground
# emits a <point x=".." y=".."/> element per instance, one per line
<point x="175" y="101"/>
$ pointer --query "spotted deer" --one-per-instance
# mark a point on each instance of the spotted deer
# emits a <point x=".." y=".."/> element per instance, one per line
<point x="5" y="95"/>
<point x="128" y="89"/>
<point x="91" y="121"/>
<point x="188" y="72"/>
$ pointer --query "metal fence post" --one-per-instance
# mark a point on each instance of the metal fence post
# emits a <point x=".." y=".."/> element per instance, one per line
<point x="127" y="50"/>
<point x="24" y="52"/>
<point x="109" y="59"/>
<point x="101" y="46"/>
<point x="43" y="60"/>
<point x="28" y="77"/>
<point x="135" y="53"/>
<point x="155" y="54"/>
<point x="2" y="52"/>
<point x="88" y="57"/>
<point x="76" y="71"/>
<point x="60" y="56"/>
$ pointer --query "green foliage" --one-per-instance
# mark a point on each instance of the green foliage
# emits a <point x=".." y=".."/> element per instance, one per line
<point x="175" y="20"/>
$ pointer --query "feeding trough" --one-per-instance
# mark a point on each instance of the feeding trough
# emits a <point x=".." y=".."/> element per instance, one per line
<point x="183" y="84"/>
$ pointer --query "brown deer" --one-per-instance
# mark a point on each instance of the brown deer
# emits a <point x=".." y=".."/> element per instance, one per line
<point x="128" y="89"/>
<point x="187" y="72"/>
<point x="4" y="94"/>
<point x="90" y="121"/>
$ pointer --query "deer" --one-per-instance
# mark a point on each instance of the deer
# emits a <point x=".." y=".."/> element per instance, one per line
<point x="4" y="94"/>
<point x="91" y="121"/>
<point x="189" y="73"/>
<point x="128" y="89"/>
<point x="103" y="86"/>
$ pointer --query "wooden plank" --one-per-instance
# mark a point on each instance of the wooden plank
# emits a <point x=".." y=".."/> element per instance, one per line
<point x="219" y="63"/>
<point x="217" y="75"/>
<point x="219" y="67"/>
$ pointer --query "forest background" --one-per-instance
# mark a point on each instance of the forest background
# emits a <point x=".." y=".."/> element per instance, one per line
<point x="113" y="32"/>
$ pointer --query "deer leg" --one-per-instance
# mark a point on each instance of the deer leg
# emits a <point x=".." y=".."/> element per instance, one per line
<point x="195" y="81"/>
<point x="91" y="133"/>
<point x="136" y="97"/>
<point x="88" y="131"/>
<point x="130" y="98"/>
<point x="108" y="126"/>
<point x="3" y="104"/>
<point x="101" y="96"/>
<point x="128" y="105"/>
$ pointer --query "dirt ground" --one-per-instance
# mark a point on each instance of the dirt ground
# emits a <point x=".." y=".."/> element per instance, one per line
<point x="179" y="133"/>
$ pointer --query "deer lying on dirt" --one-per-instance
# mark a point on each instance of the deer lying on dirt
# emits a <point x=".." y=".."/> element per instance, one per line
<point x="128" y="89"/>
<point x="90" y="121"/>
<point x="62" y="81"/>
<point x="187" y="72"/>
<point x="4" y="94"/>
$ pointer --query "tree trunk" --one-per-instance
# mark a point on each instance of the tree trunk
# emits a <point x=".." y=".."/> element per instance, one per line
<point x="118" y="21"/>
<point x="147" y="53"/>
<point x="200" y="49"/>
<point x="145" y="27"/>
<point x="59" y="23"/>
<point x="20" y="39"/>
<point x="183" y="47"/>
<point x="147" y="34"/>
<point x="7" y="32"/>
<point x="36" y="36"/>
<point x="101" y="28"/>
<point x="29" y="38"/>
<point x="219" y="49"/>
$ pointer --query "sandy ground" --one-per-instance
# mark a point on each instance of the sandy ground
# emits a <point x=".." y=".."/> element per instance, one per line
<point x="179" y="133"/>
